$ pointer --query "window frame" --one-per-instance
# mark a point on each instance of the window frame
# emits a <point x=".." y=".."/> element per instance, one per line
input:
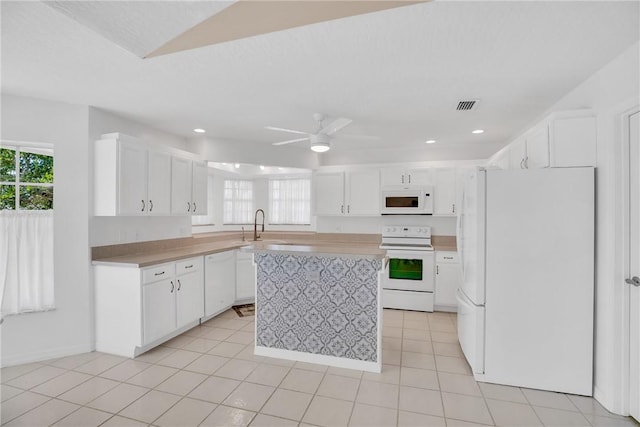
<point x="26" y="147"/>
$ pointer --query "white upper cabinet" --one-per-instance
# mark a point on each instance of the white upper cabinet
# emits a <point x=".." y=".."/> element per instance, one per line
<point x="355" y="193"/>
<point x="159" y="181"/>
<point x="445" y="191"/>
<point x="199" y="188"/>
<point x="180" y="186"/>
<point x="132" y="178"/>
<point x="403" y="176"/>
<point x="564" y="139"/>
<point x="329" y="193"/>
<point x="362" y="192"/>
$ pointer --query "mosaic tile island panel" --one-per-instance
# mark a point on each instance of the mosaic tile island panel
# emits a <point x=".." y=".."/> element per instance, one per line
<point x="319" y="304"/>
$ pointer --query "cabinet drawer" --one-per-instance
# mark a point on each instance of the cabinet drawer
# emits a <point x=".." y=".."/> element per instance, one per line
<point x="188" y="265"/>
<point x="446" y="257"/>
<point x="158" y="272"/>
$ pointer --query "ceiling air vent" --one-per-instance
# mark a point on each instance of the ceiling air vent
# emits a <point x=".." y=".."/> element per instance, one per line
<point x="466" y="105"/>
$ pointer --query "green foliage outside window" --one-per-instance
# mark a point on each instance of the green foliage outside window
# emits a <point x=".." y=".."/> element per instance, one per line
<point x="33" y="179"/>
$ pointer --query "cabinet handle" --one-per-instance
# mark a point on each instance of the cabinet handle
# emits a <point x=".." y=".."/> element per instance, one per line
<point x="341" y="208"/>
<point x="348" y="208"/>
<point x="194" y="206"/>
<point x="172" y="287"/>
<point x="403" y="178"/>
<point x="526" y="162"/>
<point x="521" y="162"/>
<point x="409" y="178"/>
<point x="179" y="284"/>
<point x="142" y="210"/>
<point x="188" y="266"/>
<point x="188" y="206"/>
<point x="453" y="208"/>
<point x="159" y="274"/>
<point x="448" y="257"/>
<point x="150" y="205"/>
<point x="437" y="269"/>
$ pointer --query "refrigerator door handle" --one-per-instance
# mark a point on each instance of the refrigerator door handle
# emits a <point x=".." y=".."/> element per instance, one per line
<point x="459" y="235"/>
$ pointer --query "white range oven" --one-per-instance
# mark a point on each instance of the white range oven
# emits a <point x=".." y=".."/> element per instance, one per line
<point x="410" y="275"/>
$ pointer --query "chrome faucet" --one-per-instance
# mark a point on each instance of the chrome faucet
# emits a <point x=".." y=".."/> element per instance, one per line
<point x="256" y="236"/>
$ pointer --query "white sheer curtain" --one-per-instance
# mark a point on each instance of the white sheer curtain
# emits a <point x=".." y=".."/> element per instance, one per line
<point x="238" y="201"/>
<point x="290" y="201"/>
<point x="26" y="261"/>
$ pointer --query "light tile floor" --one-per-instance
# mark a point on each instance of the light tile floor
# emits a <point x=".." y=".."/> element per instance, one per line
<point x="209" y="376"/>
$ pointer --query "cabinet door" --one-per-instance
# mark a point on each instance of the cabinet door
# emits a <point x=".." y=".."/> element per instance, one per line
<point x="573" y="142"/>
<point x="132" y="180"/>
<point x="445" y="189"/>
<point x="220" y="282"/>
<point x="245" y="278"/>
<point x="517" y="154"/>
<point x="189" y="298"/>
<point x="180" y="186"/>
<point x="159" y="183"/>
<point x="418" y="177"/>
<point x="392" y="176"/>
<point x="363" y="192"/>
<point x="538" y="148"/>
<point x="329" y="194"/>
<point x="447" y="283"/>
<point x="158" y="309"/>
<point x="199" y="189"/>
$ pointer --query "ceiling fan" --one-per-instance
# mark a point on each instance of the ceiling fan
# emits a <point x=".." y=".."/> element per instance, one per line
<point x="321" y="138"/>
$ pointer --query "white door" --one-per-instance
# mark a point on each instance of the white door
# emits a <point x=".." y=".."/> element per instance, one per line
<point x="363" y="193"/>
<point x="132" y="180"/>
<point x="245" y="278"/>
<point x="392" y="176"/>
<point x="634" y="264"/>
<point x="445" y="191"/>
<point x="418" y="177"/>
<point x="159" y="191"/>
<point x="189" y="292"/>
<point x="538" y="148"/>
<point x="471" y="237"/>
<point x="180" y="186"/>
<point x="329" y="193"/>
<point x="158" y="309"/>
<point x="517" y="154"/>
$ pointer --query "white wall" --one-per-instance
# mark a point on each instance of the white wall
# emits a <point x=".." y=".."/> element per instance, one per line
<point x="113" y="230"/>
<point x="68" y="329"/>
<point x="610" y="92"/>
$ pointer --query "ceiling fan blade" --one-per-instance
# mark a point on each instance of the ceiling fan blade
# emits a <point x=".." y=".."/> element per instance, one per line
<point x="286" y="130"/>
<point x="361" y="137"/>
<point x="335" y="125"/>
<point x="291" y="141"/>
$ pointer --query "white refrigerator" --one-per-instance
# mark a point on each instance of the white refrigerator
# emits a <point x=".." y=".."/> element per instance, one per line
<point x="526" y="247"/>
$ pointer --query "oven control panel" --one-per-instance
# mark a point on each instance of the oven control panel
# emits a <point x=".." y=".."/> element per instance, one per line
<point x="406" y="231"/>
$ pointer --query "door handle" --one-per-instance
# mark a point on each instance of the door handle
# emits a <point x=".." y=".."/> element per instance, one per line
<point x="635" y="281"/>
<point x="179" y="284"/>
<point x="172" y="287"/>
<point x="188" y="206"/>
<point x="150" y="205"/>
<point x="142" y="210"/>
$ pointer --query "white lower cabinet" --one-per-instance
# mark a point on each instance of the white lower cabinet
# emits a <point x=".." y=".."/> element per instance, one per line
<point x="139" y="308"/>
<point x="447" y="281"/>
<point x="245" y="278"/>
<point x="220" y="282"/>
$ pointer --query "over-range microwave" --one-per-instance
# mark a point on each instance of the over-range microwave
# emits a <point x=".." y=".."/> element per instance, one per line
<point x="407" y="200"/>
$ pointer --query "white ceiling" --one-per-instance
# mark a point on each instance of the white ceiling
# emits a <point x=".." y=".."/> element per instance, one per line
<point x="397" y="73"/>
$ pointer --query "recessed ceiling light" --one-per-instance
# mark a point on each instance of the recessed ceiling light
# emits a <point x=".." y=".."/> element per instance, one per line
<point x="237" y="165"/>
<point x="478" y="131"/>
<point x="261" y="167"/>
<point x="430" y="141"/>
<point x="198" y="130"/>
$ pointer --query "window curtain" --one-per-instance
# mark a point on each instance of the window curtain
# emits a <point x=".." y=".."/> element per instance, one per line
<point x="238" y="202"/>
<point x="26" y="261"/>
<point x="290" y="201"/>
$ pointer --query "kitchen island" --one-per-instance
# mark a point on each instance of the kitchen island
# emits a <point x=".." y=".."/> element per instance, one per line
<point x="319" y="303"/>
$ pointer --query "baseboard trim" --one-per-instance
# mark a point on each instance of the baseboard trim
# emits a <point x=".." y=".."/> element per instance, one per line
<point x="320" y="359"/>
<point x="39" y="356"/>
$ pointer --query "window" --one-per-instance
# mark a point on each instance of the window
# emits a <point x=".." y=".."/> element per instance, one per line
<point x="238" y="202"/>
<point x="26" y="228"/>
<point x="290" y="201"/>
<point x="26" y="178"/>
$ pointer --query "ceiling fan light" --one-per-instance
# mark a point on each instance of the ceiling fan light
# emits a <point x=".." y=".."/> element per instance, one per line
<point x="320" y="147"/>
